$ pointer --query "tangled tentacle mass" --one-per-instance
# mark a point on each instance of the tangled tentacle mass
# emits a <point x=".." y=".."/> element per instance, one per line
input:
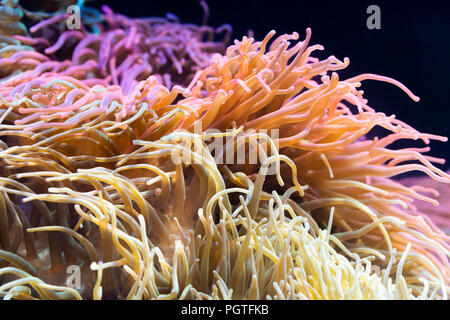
<point x="113" y="164"/>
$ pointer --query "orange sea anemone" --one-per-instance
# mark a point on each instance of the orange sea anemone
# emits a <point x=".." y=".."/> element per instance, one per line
<point x="92" y="180"/>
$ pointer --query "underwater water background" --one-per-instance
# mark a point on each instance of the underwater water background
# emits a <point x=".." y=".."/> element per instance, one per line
<point x="412" y="46"/>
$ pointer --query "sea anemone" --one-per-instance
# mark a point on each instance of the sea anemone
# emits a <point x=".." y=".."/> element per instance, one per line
<point x="113" y="161"/>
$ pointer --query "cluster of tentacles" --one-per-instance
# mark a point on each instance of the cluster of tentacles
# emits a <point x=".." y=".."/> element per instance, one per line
<point x="92" y="126"/>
